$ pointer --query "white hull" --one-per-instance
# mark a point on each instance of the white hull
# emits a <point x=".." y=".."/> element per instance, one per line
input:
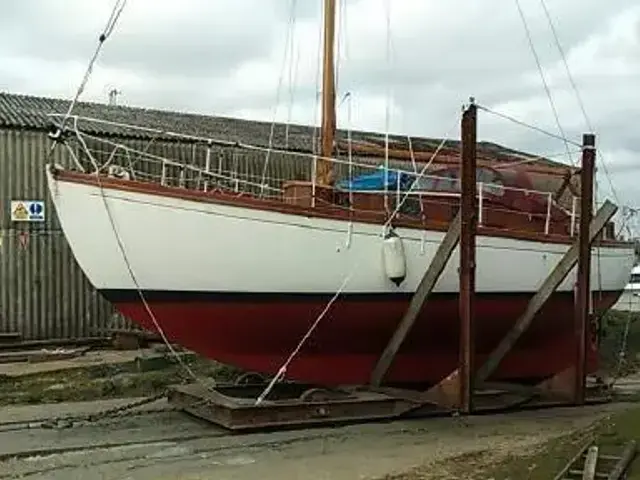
<point x="183" y="245"/>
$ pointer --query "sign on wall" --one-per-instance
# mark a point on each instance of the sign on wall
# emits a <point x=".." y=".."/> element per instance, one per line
<point x="27" y="211"/>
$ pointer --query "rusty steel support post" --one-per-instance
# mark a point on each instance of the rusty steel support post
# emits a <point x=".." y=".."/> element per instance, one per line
<point x="468" y="227"/>
<point x="581" y="317"/>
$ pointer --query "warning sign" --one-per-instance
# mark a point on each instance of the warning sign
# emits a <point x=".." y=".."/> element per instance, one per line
<point x="27" y="211"/>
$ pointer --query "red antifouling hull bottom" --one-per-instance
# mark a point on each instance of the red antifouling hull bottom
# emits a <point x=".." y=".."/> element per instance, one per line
<point x="258" y="332"/>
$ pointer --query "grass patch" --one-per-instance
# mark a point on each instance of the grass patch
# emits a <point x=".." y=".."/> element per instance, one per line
<point x="613" y="326"/>
<point x="542" y="463"/>
<point x="610" y="434"/>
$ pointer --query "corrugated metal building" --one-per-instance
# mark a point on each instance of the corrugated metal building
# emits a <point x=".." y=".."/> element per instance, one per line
<point x="43" y="293"/>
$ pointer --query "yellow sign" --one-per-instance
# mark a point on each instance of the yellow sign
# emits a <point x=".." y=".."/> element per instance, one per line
<point x="27" y="211"/>
<point x="20" y="212"/>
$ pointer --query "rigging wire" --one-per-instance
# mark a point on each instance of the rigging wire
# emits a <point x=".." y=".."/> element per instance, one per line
<point x="528" y="125"/>
<point x="544" y="80"/>
<point x="344" y="54"/>
<point x="412" y="155"/>
<point x="294" y="67"/>
<point x="344" y="11"/>
<point x="525" y="161"/>
<point x="288" y="43"/>
<point x="628" y="214"/>
<point x="341" y="9"/>
<point x="117" y="10"/>
<point x="387" y="113"/>
<point x="587" y="122"/>
<point x="350" y="148"/>
<point x="574" y="87"/>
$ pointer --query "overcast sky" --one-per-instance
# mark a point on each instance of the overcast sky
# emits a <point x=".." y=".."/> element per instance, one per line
<point x="226" y="57"/>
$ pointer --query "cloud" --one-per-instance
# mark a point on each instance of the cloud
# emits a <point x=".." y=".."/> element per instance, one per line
<point x="226" y="57"/>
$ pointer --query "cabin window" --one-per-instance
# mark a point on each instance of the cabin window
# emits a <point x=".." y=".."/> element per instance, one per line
<point x="635" y="278"/>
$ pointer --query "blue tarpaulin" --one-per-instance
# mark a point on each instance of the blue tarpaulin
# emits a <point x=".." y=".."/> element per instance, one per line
<point x="376" y="181"/>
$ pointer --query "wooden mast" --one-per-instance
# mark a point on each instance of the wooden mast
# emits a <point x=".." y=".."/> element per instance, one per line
<point x="324" y="168"/>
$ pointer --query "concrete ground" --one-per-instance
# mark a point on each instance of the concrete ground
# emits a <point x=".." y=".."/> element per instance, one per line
<point x="168" y="445"/>
<point x="173" y="446"/>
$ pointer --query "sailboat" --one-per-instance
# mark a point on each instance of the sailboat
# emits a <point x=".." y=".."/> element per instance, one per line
<point x="241" y="270"/>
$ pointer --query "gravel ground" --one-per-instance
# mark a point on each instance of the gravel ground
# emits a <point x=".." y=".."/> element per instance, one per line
<point x="173" y="446"/>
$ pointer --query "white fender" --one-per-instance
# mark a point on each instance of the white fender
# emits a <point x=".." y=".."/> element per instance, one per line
<point x="393" y="258"/>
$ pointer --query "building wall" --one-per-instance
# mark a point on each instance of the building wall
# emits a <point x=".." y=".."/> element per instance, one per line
<point x="43" y="293"/>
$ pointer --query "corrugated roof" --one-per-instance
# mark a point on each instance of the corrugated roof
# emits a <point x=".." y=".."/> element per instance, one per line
<point x="31" y="112"/>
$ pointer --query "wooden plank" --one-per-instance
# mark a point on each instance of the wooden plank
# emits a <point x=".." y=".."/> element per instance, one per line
<point x="561" y="475"/>
<point x="428" y="282"/>
<point x="587" y="469"/>
<point x="555" y="278"/>
<point x="590" y="464"/>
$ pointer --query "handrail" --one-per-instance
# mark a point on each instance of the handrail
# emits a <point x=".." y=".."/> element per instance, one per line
<point x="209" y="141"/>
<point x="233" y="180"/>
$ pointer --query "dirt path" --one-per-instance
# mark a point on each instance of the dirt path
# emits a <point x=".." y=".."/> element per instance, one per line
<point x="352" y="452"/>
